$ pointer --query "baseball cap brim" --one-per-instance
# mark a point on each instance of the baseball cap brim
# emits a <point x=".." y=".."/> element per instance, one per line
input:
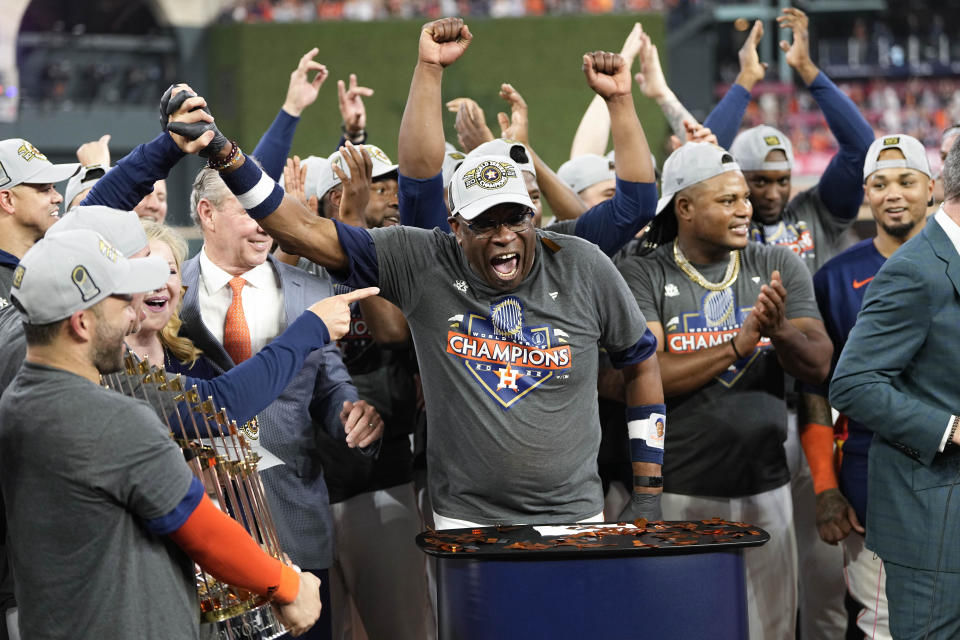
<point x="473" y="209"/>
<point x="52" y="174"/>
<point x="143" y="275"/>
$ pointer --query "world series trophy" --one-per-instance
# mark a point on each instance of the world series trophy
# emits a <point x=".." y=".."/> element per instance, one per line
<point x="219" y="455"/>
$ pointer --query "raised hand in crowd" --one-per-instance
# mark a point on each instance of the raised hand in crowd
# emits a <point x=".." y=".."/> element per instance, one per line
<point x="471" y="124"/>
<point x="353" y="113"/>
<point x="443" y="41"/>
<point x="294" y="179"/>
<point x="798" y="52"/>
<point x="653" y="85"/>
<point x="303" y="90"/>
<point x="696" y="132"/>
<point x="607" y="74"/>
<point x="516" y="126"/>
<point x="186" y="117"/>
<point x="356" y="182"/>
<point x="593" y="133"/>
<point x="95" y="152"/>
<point x="752" y="70"/>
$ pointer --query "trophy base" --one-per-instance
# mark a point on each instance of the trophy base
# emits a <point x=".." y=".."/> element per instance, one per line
<point x="259" y="623"/>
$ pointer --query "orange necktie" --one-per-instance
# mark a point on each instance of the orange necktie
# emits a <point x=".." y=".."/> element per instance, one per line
<point x="236" y="333"/>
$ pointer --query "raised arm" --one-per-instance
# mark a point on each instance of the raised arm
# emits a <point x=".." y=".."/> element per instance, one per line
<point x="274" y="146"/>
<point x="841" y="185"/>
<point x="421" y="142"/>
<point x="563" y="201"/>
<point x="654" y="85"/>
<point x="353" y="113"/>
<point x="594" y="131"/>
<point x="726" y="117"/>
<point x="611" y="224"/>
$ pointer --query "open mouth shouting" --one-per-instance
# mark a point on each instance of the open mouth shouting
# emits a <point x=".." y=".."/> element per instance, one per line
<point x="506" y="265"/>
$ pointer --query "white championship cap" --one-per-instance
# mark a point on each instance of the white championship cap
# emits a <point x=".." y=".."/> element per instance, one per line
<point x="482" y="182"/>
<point x="382" y="166"/>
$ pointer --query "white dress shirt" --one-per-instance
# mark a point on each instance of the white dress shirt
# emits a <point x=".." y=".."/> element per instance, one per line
<point x="261" y="295"/>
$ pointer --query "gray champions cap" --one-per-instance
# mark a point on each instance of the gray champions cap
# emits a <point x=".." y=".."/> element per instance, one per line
<point x="751" y="147"/>
<point x="587" y="170"/>
<point x="74" y="270"/>
<point x="122" y="229"/>
<point x="692" y="163"/>
<point x="914" y="155"/>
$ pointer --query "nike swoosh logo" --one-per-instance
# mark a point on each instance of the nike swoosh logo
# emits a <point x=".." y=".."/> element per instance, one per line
<point x="859" y="283"/>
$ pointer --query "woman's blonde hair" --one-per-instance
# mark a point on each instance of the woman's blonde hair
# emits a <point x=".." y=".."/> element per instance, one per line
<point x="181" y="347"/>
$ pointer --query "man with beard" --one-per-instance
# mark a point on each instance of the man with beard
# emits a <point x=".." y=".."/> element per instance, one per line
<point x="103" y="512"/>
<point x="899" y="187"/>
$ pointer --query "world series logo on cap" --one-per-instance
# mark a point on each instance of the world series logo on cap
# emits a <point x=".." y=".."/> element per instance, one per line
<point x="489" y="174"/>
<point x="29" y="152"/>
<point x="891" y="140"/>
<point x="771" y="141"/>
<point x="18" y="276"/>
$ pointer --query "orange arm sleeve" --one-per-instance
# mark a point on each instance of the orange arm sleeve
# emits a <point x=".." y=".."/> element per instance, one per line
<point x="223" y="548"/>
<point x="817" y="442"/>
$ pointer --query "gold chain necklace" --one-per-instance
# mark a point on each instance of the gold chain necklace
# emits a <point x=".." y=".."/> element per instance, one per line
<point x="733" y="269"/>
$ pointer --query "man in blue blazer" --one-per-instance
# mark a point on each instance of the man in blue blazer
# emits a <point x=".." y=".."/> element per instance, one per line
<point x="320" y="396"/>
<point x="897" y="374"/>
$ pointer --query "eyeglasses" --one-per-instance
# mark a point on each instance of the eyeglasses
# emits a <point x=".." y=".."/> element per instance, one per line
<point x="484" y="227"/>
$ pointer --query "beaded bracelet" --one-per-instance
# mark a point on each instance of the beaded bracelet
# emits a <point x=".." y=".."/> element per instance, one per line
<point x="232" y="159"/>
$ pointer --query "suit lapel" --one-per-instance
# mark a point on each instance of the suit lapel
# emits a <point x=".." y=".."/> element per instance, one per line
<point x="291" y="287"/>
<point x="193" y="326"/>
<point x="944" y="249"/>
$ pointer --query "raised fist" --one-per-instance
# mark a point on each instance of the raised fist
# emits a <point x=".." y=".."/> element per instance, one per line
<point x="443" y="41"/>
<point x="607" y="74"/>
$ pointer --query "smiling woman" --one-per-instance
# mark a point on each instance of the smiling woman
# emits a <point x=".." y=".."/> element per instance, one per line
<point x="157" y="338"/>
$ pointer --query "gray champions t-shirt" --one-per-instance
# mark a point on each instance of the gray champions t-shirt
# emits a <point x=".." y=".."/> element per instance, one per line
<point x="807" y="228"/>
<point x="81" y="468"/>
<point x="510" y="379"/>
<point x="726" y="438"/>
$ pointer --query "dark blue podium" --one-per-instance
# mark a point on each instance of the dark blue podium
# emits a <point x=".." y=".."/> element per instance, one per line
<point x="672" y="580"/>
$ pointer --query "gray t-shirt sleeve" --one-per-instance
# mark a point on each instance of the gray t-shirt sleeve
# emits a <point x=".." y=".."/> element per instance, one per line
<point x="622" y="323"/>
<point x="403" y="254"/>
<point x="137" y="464"/>
<point x="639" y="275"/>
<point x="801" y="300"/>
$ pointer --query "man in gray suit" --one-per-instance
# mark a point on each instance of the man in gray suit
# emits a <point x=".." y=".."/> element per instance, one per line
<point x="235" y="260"/>
<point x="897" y="374"/>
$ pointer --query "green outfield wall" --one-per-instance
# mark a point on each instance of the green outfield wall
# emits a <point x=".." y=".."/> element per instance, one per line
<point x="249" y="67"/>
